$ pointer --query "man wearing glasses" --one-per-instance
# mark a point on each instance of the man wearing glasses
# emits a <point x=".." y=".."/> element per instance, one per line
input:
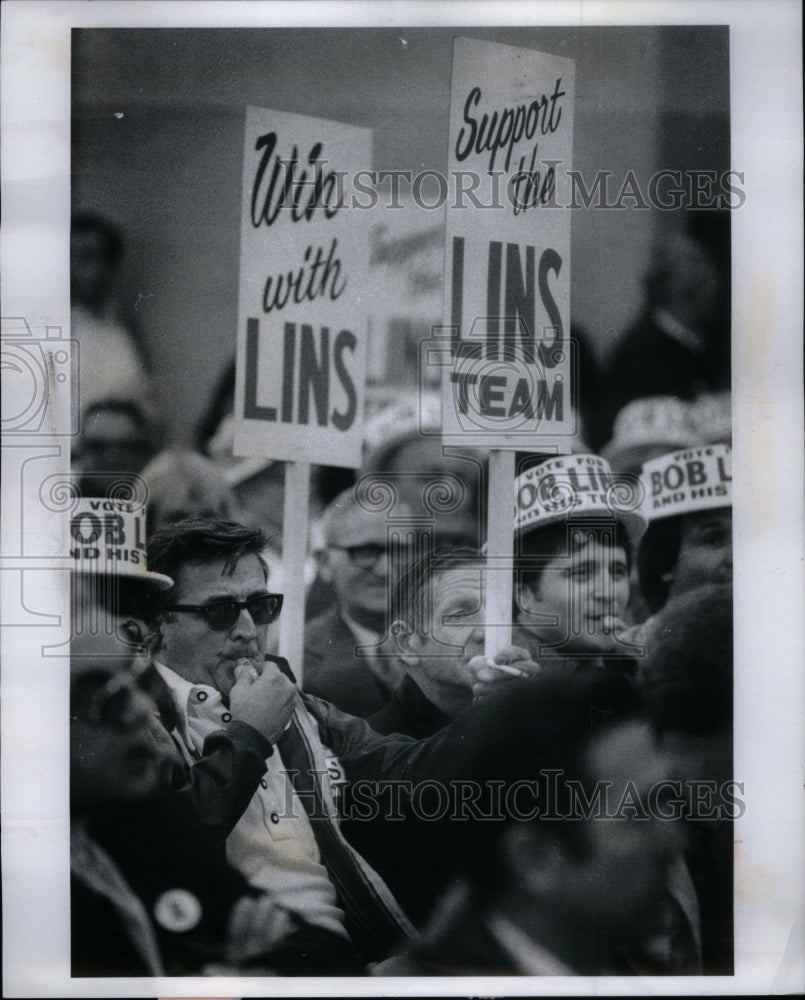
<point x="357" y="561"/>
<point x="211" y="633"/>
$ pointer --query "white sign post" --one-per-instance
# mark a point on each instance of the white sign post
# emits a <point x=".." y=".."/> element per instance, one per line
<point x="506" y="383"/>
<point x="301" y="346"/>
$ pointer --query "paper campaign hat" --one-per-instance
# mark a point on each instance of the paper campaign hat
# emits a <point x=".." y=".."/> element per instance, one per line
<point x="575" y="486"/>
<point x="687" y="480"/>
<point x="655" y="425"/>
<point x="107" y="538"/>
<point x="646" y="428"/>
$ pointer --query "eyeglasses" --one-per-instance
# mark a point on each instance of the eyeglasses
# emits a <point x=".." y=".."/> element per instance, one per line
<point x="363" y="556"/>
<point x="222" y="615"/>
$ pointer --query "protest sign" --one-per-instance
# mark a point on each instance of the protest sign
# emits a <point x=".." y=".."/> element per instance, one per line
<point x="507" y="375"/>
<point x="301" y="342"/>
<point x="302" y="292"/>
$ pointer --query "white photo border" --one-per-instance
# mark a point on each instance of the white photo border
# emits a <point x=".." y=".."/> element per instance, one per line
<point x="769" y="526"/>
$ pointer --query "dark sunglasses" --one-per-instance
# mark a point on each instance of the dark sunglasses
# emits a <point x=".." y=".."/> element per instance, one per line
<point x="221" y="616"/>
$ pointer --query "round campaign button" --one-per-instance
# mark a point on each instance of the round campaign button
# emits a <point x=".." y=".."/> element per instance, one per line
<point x="177" y="910"/>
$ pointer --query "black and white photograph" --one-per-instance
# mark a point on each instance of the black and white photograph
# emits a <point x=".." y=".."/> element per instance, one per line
<point x="402" y="447"/>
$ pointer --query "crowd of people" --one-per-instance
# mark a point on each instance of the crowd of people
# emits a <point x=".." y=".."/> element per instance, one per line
<point x="400" y="803"/>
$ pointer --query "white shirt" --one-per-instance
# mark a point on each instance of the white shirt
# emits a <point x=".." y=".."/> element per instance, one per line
<point x="273" y="844"/>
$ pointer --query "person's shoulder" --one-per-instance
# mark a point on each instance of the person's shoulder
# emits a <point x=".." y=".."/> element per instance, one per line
<point x="321" y="627"/>
<point x="328" y="638"/>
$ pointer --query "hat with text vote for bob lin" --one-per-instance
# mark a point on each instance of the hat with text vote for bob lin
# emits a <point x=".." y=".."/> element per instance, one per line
<point x="108" y="540"/>
<point x="687" y="480"/>
<point x="578" y="486"/>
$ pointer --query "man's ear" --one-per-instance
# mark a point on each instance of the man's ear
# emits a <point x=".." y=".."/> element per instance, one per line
<point x="526" y="598"/>
<point x="406" y="643"/>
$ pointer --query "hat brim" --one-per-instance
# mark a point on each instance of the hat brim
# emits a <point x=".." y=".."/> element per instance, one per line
<point x="147" y="581"/>
<point x="634" y="523"/>
<point x="153" y="581"/>
<point x="632" y="457"/>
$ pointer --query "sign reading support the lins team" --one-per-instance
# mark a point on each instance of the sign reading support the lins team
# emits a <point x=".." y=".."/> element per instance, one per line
<point x="304" y="257"/>
<point x="506" y="382"/>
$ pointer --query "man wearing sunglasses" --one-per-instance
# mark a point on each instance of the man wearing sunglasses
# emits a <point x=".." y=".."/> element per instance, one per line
<point x="357" y="559"/>
<point x="211" y="634"/>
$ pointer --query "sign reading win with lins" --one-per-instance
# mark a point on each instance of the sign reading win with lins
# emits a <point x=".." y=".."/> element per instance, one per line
<point x="303" y="287"/>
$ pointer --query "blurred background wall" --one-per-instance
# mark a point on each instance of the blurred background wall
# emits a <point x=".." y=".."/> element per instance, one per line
<point x="157" y="149"/>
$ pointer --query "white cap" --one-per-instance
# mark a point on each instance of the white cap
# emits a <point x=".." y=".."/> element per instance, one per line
<point x="655" y="425"/>
<point x="649" y="427"/>
<point x="688" y="480"/>
<point x="107" y="538"/>
<point x="577" y="486"/>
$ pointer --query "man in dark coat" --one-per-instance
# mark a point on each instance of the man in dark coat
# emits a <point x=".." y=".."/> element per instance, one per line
<point x="345" y="647"/>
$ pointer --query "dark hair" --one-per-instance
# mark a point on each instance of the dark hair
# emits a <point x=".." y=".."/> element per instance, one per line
<point x="542" y="724"/>
<point x="656" y="557"/>
<point x="688" y="677"/>
<point x="89" y="222"/>
<point x="540" y="545"/>
<point x="412" y="597"/>
<point x="202" y="540"/>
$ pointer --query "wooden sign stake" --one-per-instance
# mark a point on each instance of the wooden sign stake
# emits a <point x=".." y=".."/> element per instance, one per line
<point x="499" y="551"/>
<point x="294" y="555"/>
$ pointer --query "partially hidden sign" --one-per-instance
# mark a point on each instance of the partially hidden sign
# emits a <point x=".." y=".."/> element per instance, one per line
<point x="303" y="291"/>
<point x="507" y="372"/>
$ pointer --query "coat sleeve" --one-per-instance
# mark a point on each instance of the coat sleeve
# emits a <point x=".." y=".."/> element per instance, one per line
<point x="368" y="756"/>
<point x="222" y="782"/>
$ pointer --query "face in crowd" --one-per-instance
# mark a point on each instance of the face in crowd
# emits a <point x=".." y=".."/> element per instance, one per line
<point x="447" y="635"/>
<point x="679" y="554"/>
<point x="579" y="599"/>
<point x="705" y="551"/>
<point x="625" y="864"/>
<point x="602" y="886"/>
<point x="580" y="857"/>
<point x="358" y="562"/>
<point x="218" y="614"/>
<point x="113" y="753"/>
